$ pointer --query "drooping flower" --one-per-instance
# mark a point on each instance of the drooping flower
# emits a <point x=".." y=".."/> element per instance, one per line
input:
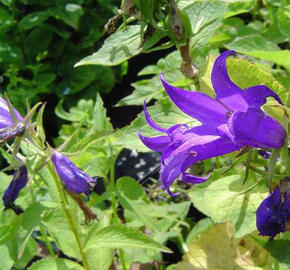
<point x="230" y="121"/>
<point x="9" y="129"/>
<point x="273" y="213"/>
<point x="19" y="181"/>
<point x="73" y="178"/>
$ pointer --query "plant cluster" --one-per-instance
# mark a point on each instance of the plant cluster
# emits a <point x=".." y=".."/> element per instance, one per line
<point x="219" y="119"/>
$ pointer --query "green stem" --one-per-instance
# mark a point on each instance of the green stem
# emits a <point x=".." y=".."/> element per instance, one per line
<point x="64" y="204"/>
<point x="46" y="241"/>
<point x="122" y="259"/>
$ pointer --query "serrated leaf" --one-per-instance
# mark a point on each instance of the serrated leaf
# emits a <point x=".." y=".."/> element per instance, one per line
<point x="120" y="236"/>
<point x="55" y="264"/>
<point x="117" y="48"/>
<point x="205" y="17"/>
<point x="278" y="57"/>
<point x="132" y="197"/>
<point x="225" y="201"/>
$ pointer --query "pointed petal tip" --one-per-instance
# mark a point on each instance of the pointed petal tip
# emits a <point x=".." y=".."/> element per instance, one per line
<point x="150" y="121"/>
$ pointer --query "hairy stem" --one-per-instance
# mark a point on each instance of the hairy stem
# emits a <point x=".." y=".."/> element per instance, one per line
<point x="64" y="204"/>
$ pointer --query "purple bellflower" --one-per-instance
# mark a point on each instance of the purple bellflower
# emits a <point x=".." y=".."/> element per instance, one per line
<point x="230" y="121"/>
<point x="19" y="181"/>
<point x="73" y="178"/>
<point x="273" y="213"/>
<point x="9" y="129"/>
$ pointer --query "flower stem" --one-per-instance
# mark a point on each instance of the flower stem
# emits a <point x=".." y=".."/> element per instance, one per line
<point x="64" y="204"/>
<point x="46" y="241"/>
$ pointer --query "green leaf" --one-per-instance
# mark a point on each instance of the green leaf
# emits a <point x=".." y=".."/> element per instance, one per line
<point x="235" y="8"/>
<point x="59" y="229"/>
<point x="120" y="236"/>
<point x="30" y="219"/>
<point x="205" y="17"/>
<point x="36" y="42"/>
<point x="218" y="249"/>
<point x="117" y="48"/>
<point x="152" y="88"/>
<point x="284" y="20"/>
<point x="55" y="264"/>
<point x="278" y="57"/>
<point x="202" y="226"/>
<point x="99" y="258"/>
<point x="278" y="248"/>
<point x="100" y="121"/>
<point x="252" y="43"/>
<point x="250" y="74"/>
<point x="223" y="200"/>
<point x="163" y="112"/>
<point x="5" y="258"/>
<point x="33" y="19"/>
<point x="132" y="197"/>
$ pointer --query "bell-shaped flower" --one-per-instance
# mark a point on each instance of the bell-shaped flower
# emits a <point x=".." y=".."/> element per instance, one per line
<point x="230" y="121"/>
<point x="19" y="181"/>
<point x="273" y="213"/>
<point x="73" y="178"/>
<point x="9" y="129"/>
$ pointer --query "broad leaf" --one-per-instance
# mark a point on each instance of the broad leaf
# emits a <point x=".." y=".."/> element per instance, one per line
<point x="117" y="48"/>
<point x="205" y="17"/>
<point x="217" y="249"/>
<point x="55" y="264"/>
<point x="120" y="236"/>
<point x="224" y="199"/>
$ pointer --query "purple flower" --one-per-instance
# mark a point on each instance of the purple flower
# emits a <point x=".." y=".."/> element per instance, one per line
<point x="230" y="121"/>
<point x="5" y="117"/>
<point x="73" y="178"/>
<point x="273" y="213"/>
<point x="9" y="129"/>
<point x="19" y="181"/>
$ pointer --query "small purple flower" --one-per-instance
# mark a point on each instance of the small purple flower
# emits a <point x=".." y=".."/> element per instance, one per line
<point x="230" y="121"/>
<point x="73" y="178"/>
<point x="19" y="181"/>
<point x="273" y="214"/>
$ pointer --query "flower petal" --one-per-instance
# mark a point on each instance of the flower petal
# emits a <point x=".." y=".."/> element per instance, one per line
<point x="150" y="122"/>
<point x="255" y="128"/>
<point x="192" y="179"/>
<point x="157" y="144"/>
<point x="220" y="79"/>
<point x="226" y="91"/>
<point x="257" y="95"/>
<point x="196" y="104"/>
<point x="5" y="117"/>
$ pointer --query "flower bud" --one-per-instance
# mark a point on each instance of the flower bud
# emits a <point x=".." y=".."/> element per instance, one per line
<point x="19" y="181"/>
<point x="73" y="178"/>
<point x="273" y="214"/>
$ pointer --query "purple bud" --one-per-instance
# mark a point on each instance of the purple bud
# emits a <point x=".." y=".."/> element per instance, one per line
<point x="73" y="178"/>
<point x="273" y="213"/>
<point x="265" y="154"/>
<point x="19" y="181"/>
